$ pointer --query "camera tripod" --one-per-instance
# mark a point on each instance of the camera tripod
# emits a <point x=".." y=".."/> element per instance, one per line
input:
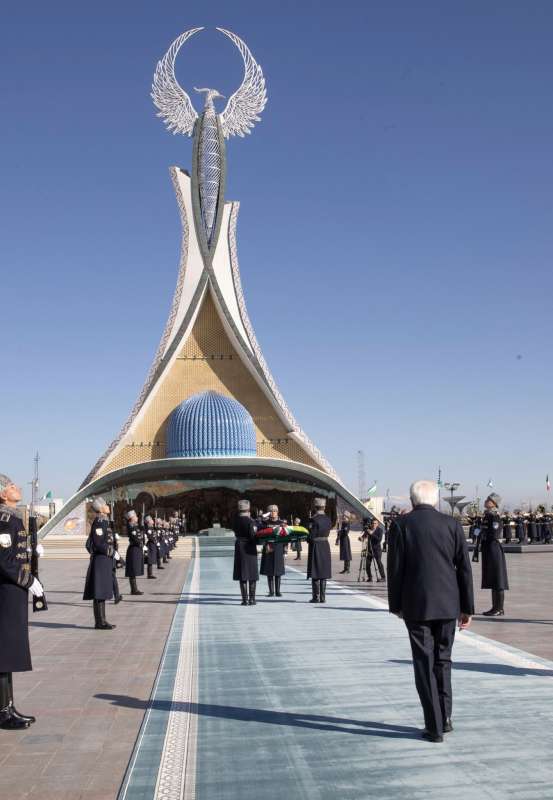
<point x="366" y="553"/>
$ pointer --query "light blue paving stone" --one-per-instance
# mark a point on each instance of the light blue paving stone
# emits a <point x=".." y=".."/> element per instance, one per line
<point x="303" y="701"/>
<point x="140" y="780"/>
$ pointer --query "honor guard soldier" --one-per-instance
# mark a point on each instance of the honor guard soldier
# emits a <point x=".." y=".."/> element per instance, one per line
<point x="272" y="555"/>
<point x="245" y="553"/>
<point x="99" y="577"/>
<point x="506" y="521"/>
<point x="343" y="540"/>
<point x="150" y="544"/>
<point x="16" y="580"/>
<point x="494" y="566"/>
<point x="159" y="543"/>
<point x="134" y="560"/>
<point x="520" y="527"/>
<point x="321" y="566"/>
<point x="532" y="528"/>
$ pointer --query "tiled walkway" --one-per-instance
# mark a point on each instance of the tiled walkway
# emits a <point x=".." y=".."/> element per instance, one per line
<point x="290" y="700"/>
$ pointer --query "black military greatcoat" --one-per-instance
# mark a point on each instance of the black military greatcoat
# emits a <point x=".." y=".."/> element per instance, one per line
<point x="507" y="531"/>
<point x="494" y="566"/>
<point x="344" y="542"/>
<point x="319" y="531"/>
<point x="101" y="546"/>
<point x="245" y="550"/>
<point x="15" y="579"/>
<point x="272" y="555"/>
<point x="134" y="560"/>
<point x="520" y="529"/>
<point x="151" y="544"/>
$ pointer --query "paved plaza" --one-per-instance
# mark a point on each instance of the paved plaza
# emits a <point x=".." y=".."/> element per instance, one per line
<point x="194" y="696"/>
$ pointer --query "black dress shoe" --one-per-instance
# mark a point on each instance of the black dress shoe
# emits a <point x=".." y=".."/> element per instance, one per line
<point x="244" y="603"/>
<point x="270" y="594"/>
<point x="137" y="592"/>
<point x="252" y="602"/>
<point x="314" y="600"/>
<point x="493" y="612"/>
<point x="117" y="599"/>
<point x="432" y="737"/>
<point x="278" y="594"/>
<point x="448" y="727"/>
<point x="152" y="578"/>
<point x="104" y="626"/>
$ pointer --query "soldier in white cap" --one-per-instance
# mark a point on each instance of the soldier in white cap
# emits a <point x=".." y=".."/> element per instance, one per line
<point x="494" y="565"/>
<point x="272" y="555"/>
<point x="150" y="546"/>
<point x="99" y="577"/>
<point x="134" y="560"/>
<point x="321" y="565"/>
<point x="245" y="553"/>
<point x="15" y="581"/>
<point x="344" y="542"/>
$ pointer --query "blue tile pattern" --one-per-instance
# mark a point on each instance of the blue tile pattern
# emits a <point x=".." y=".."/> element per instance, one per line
<point x="210" y="425"/>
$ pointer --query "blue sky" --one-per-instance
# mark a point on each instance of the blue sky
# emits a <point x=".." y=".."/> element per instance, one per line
<point x="396" y="215"/>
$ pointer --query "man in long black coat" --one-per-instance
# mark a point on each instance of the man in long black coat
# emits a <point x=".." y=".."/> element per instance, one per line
<point x="344" y="542"/>
<point x="134" y="560"/>
<point x="99" y="577"/>
<point x="15" y="581"/>
<point x="494" y="565"/>
<point x="245" y="569"/>
<point x="321" y="564"/>
<point x="430" y="587"/>
<point x="272" y="555"/>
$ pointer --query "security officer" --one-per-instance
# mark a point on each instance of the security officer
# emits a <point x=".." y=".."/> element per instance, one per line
<point x="99" y="578"/>
<point x="507" y="532"/>
<point x="150" y="546"/>
<point x="321" y="565"/>
<point x="272" y="555"/>
<point x="15" y="580"/>
<point x="344" y="542"/>
<point x="245" y="553"/>
<point x="134" y="560"/>
<point x="494" y="566"/>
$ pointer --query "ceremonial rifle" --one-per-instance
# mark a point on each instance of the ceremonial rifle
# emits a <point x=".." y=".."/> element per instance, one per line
<point x="39" y="603"/>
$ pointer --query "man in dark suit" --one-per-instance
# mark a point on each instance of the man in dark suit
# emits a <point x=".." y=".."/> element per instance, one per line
<point x="430" y="587"/>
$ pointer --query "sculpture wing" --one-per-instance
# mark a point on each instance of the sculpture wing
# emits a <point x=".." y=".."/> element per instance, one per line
<point x="244" y="106"/>
<point x="173" y="103"/>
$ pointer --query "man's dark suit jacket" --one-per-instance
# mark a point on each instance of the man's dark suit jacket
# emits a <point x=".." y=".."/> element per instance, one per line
<point x="429" y="570"/>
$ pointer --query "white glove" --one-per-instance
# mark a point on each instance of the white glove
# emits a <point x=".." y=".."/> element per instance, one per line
<point x="116" y="556"/>
<point x="39" y="550"/>
<point x="36" y="588"/>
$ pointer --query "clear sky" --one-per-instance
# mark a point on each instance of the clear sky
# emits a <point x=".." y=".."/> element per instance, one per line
<point x="395" y="233"/>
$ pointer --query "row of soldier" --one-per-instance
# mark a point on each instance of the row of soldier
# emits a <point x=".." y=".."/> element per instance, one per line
<point x="149" y="546"/>
<point x="533" y="528"/>
<point x="246" y="569"/>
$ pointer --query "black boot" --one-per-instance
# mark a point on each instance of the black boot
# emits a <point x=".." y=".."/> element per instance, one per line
<point x="97" y="618"/>
<point x="244" y="592"/>
<point x="151" y="575"/>
<point x="323" y="592"/>
<point x="104" y="624"/>
<point x="314" y="591"/>
<point x="8" y="721"/>
<point x="347" y="566"/>
<point x="497" y="605"/>
<point x="134" y="587"/>
<point x="251" y="601"/>
<point x="15" y="713"/>
<point x="271" y="582"/>
<point x="277" y="586"/>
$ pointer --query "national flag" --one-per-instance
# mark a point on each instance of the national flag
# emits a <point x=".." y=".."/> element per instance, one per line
<point x="372" y="489"/>
<point x="47" y="496"/>
<point x="490" y="483"/>
<point x="547" y="484"/>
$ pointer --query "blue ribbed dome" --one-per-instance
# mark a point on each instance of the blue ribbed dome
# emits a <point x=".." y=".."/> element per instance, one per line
<point x="209" y="424"/>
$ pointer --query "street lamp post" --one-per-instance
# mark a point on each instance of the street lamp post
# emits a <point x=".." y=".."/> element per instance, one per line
<point x="452" y="487"/>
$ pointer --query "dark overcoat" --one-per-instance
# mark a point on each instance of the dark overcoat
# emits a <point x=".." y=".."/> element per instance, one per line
<point x="245" y="550"/>
<point x="134" y="560"/>
<point x="494" y="566"/>
<point x="101" y="546"/>
<point x="532" y="528"/>
<point x="375" y="542"/>
<point x="344" y="542"/>
<point x="272" y="555"/>
<point x="520" y="529"/>
<point x="151" y="544"/>
<point x="319" y="531"/>
<point x="15" y="579"/>
<point x="507" y="530"/>
<point x="429" y="572"/>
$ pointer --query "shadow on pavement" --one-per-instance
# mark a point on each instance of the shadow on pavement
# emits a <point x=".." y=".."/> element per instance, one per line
<point x="312" y="721"/>
<point x="494" y="669"/>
